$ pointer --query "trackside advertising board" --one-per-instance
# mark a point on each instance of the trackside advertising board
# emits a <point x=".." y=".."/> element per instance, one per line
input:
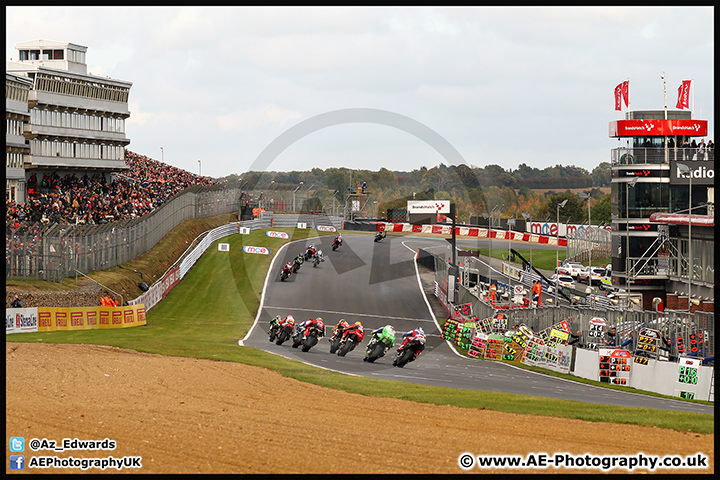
<point x="48" y="319"/>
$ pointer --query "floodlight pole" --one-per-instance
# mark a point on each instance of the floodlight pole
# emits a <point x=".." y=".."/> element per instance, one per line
<point x="528" y="218"/>
<point x="688" y="171"/>
<point x="557" y="252"/>
<point x="628" y="184"/>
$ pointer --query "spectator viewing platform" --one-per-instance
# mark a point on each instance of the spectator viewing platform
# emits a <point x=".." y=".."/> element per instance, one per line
<point x="647" y="137"/>
<point x="77" y="120"/>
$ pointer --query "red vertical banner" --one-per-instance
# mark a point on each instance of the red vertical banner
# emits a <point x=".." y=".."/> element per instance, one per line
<point x="684" y="95"/>
<point x="626" y="92"/>
<point x="618" y="97"/>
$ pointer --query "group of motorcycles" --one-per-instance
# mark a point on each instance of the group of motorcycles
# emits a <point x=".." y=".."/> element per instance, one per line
<point x="346" y="337"/>
<point x="312" y="253"/>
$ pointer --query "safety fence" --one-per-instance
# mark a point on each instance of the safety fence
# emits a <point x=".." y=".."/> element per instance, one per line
<point x="635" y="356"/>
<point x="689" y="333"/>
<point x="56" y="251"/>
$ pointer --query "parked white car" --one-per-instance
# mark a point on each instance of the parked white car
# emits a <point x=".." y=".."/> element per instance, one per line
<point x="591" y="275"/>
<point x="563" y="280"/>
<point x="569" y="268"/>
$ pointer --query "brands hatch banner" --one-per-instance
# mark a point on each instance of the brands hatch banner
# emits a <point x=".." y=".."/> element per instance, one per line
<point x="635" y="128"/>
<point x="428" y="206"/>
<point x="48" y="319"/>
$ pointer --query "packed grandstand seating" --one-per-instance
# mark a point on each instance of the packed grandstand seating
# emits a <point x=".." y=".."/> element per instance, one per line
<point x="95" y="200"/>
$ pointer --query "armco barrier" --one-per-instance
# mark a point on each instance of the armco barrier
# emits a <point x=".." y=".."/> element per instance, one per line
<point x="472" y="232"/>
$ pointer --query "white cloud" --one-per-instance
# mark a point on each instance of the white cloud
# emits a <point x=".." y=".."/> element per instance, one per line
<point x="244" y="120"/>
<point x="527" y="85"/>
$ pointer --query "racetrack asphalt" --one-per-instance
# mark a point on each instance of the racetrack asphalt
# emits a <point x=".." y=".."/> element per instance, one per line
<point x="378" y="283"/>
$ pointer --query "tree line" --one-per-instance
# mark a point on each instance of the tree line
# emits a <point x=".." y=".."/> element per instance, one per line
<point x="474" y="190"/>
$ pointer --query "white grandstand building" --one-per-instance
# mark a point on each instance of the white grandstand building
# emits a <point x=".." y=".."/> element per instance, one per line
<point x="59" y="117"/>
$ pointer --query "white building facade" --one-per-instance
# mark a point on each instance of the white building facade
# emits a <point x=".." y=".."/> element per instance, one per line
<point x="74" y="121"/>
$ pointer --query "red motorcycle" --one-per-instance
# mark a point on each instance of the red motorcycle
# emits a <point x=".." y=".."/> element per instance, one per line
<point x="311" y="333"/>
<point x="351" y="338"/>
<point x="287" y="325"/>
<point x="337" y="243"/>
<point x="337" y="335"/>
<point x="310" y="251"/>
<point x="411" y="347"/>
<point x="286" y="271"/>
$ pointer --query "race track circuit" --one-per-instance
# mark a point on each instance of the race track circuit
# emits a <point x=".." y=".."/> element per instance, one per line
<point x="377" y="284"/>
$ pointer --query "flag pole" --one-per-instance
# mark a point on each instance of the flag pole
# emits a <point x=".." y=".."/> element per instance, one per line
<point x="664" y="92"/>
<point x="628" y="95"/>
<point x="692" y="110"/>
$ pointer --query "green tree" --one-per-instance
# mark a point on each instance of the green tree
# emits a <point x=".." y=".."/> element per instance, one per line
<point x="600" y="212"/>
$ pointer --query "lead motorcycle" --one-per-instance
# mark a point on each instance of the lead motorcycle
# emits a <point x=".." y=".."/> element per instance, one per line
<point x="337" y="243"/>
<point x="351" y="337"/>
<point x="410" y="349"/>
<point x="286" y="330"/>
<point x="381" y="341"/>
<point x="380" y="235"/>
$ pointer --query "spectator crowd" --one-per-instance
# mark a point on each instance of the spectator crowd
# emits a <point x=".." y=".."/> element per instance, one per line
<point x="94" y="200"/>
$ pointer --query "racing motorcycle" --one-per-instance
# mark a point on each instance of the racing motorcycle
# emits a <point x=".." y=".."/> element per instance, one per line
<point x="382" y="340"/>
<point x="274" y="327"/>
<point x="351" y="337"/>
<point x="336" y="243"/>
<point x="286" y="271"/>
<point x="286" y="330"/>
<point x="337" y="335"/>
<point x="310" y="251"/>
<point x="296" y="263"/>
<point x="317" y="258"/>
<point x="409" y="350"/>
<point x="380" y="235"/>
<point x="311" y="334"/>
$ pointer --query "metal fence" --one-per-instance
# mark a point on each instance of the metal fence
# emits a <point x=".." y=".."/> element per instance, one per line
<point x="595" y="241"/>
<point x="689" y="334"/>
<point x="53" y="252"/>
<point x="654" y="155"/>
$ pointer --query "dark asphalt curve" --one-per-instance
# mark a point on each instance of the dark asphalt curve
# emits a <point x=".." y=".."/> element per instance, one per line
<point x="376" y="283"/>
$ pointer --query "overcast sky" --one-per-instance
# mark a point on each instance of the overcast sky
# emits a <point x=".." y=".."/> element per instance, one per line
<point x="399" y="88"/>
